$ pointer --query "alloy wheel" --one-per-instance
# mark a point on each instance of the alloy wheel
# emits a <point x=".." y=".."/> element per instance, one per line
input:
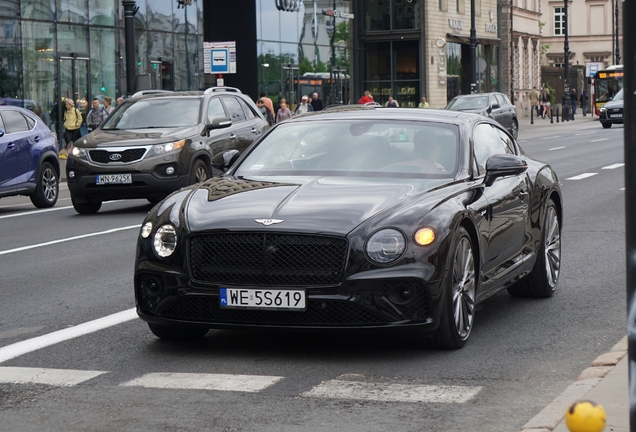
<point x="552" y="250"/>
<point x="49" y="184"/>
<point x="464" y="288"/>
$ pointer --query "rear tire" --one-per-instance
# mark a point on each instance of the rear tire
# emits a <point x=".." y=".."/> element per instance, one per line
<point x="86" y="207"/>
<point x="606" y="125"/>
<point x="200" y="172"/>
<point x="48" y="187"/>
<point x="544" y="278"/>
<point x="460" y="288"/>
<point x="177" y="333"/>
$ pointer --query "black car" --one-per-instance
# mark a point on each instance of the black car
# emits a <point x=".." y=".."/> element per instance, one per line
<point x="155" y="144"/>
<point x="29" y="163"/>
<point x="494" y="105"/>
<point x="612" y="111"/>
<point x="354" y="218"/>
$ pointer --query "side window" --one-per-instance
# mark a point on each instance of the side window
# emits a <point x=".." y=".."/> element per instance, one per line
<point x="487" y="142"/>
<point x="15" y="122"/>
<point x="500" y="100"/>
<point x="249" y="114"/>
<point x="507" y="141"/>
<point x="30" y="122"/>
<point x="2" y="125"/>
<point x="215" y="109"/>
<point x="234" y="109"/>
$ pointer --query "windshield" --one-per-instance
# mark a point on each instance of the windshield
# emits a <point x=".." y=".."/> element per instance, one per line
<point x="619" y="96"/>
<point x="468" y="103"/>
<point x="356" y="147"/>
<point x="156" y="113"/>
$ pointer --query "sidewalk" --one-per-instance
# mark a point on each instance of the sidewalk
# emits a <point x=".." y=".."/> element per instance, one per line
<point x="524" y="121"/>
<point x="605" y="382"/>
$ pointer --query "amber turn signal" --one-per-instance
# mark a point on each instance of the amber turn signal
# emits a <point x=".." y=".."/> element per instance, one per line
<point x="424" y="236"/>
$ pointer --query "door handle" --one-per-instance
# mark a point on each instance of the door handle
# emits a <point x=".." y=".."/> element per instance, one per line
<point x="36" y="138"/>
<point x="232" y="136"/>
<point x="11" y="145"/>
<point x="523" y="194"/>
<point x="254" y="130"/>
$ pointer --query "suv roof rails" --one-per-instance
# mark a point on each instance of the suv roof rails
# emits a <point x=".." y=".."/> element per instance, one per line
<point x="147" y="92"/>
<point x="222" y="89"/>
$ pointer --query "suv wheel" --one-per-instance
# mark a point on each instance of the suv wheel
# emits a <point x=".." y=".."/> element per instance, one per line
<point x="86" y="207"/>
<point x="200" y="172"/>
<point x="48" y="187"/>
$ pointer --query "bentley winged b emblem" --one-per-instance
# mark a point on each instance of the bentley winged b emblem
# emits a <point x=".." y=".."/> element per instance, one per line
<point x="268" y="222"/>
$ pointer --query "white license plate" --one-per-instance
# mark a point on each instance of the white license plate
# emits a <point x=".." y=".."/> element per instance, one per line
<point x="105" y="179"/>
<point x="261" y="298"/>
<point x="616" y="115"/>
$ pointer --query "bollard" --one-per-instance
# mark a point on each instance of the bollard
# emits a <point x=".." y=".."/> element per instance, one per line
<point x="557" y="115"/>
<point x="531" y="115"/>
<point x="551" y="118"/>
<point x="585" y="416"/>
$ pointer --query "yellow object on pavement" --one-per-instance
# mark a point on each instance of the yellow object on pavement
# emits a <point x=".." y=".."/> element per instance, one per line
<point x="585" y="416"/>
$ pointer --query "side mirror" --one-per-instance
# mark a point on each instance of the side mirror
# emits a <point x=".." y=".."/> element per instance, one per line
<point x="225" y="159"/>
<point x="503" y="165"/>
<point x="1" y="133"/>
<point x="495" y="106"/>
<point x="219" y="123"/>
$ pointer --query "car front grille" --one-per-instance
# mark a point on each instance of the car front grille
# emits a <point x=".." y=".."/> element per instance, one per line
<point x="124" y="155"/>
<point x="267" y="259"/>
<point x="318" y="313"/>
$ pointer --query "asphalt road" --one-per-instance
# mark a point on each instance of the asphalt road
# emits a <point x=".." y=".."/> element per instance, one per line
<point x="60" y="270"/>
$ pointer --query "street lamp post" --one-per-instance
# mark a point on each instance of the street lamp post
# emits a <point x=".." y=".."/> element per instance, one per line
<point x="129" y="27"/>
<point x="473" y="49"/>
<point x="617" y="52"/>
<point x="566" y="62"/>
<point x="183" y="4"/>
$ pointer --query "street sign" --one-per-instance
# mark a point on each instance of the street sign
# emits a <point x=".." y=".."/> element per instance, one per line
<point x="219" y="57"/>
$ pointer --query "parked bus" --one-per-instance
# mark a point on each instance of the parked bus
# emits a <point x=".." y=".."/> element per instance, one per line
<point x="607" y="83"/>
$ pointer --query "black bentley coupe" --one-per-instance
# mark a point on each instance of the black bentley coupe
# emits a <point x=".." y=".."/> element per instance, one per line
<point x="352" y="218"/>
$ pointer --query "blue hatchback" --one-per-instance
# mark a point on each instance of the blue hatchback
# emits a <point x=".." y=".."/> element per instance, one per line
<point x="29" y="163"/>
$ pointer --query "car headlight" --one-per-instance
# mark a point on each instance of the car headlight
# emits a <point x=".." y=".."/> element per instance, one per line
<point x="424" y="236"/>
<point x="165" y="241"/>
<point x="386" y="245"/>
<point x="146" y="229"/>
<point x="603" y="109"/>
<point x="168" y="147"/>
<point x="79" y="152"/>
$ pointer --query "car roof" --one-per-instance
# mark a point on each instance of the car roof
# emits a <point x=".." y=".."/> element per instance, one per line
<point x="476" y="95"/>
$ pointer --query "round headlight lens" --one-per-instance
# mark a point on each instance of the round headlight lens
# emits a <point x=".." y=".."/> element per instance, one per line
<point x="165" y="241"/>
<point x="78" y="152"/>
<point x="146" y="229"/>
<point x="386" y="246"/>
<point x="424" y="236"/>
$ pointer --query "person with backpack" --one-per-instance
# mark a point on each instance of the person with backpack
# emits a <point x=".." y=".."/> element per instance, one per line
<point x="96" y="116"/>
<point x="265" y="111"/>
<point x="72" y="123"/>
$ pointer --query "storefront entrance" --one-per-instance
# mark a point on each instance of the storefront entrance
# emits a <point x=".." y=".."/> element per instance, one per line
<point x="74" y="84"/>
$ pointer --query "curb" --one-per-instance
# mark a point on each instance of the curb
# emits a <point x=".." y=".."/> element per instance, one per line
<point x="550" y="416"/>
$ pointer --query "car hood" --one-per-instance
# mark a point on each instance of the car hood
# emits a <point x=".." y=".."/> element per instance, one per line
<point x="334" y="205"/>
<point x="614" y="104"/>
<point x="136" y="137"/>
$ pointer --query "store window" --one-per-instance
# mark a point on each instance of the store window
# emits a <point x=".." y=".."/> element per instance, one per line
<point x="101" y="12"/>
<point x="559" y="21"/>
<point x="103" y="62"/>
<point x="37" y="9"/>
<point x="72" y="11"/>
<point x="453" y="70"/>
<point x="10" y="59"/>
<point x="9" y="9"/>
<point x="392" y="70"/>
<point x="159" y="15"/>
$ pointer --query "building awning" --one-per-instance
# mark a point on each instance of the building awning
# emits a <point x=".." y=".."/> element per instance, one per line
<point x="450" y="37"/>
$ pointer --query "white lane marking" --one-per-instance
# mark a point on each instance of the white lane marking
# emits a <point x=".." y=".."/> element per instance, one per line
<point x="19" y="348"/>
<point x="557" y="148"/>
<point x="23" y="248"/>
<point x="56" y="377"/>
<point x="584" y="133"/>
<point x="582" y="176"/>
<point x="521" y="141"/>
<point x="552" y="137"/>
<point x="197" y="381"/>
<point x="341" y="389"/>
<point x="614" y="166"/>
<point x="36" y="212"/>
<point x="597" y="140"/>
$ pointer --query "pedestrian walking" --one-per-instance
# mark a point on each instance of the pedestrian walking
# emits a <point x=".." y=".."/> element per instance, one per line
<point x="546" y="103"/>
<point x="366" y="98"/>
<point x="72" y="123"/>
<point x="584" y="100"/>
<point x="316" y="103"/>
<point x="573" y="100"/>
<point x="283" y="112"/>
<point x="423" y="103"/>
<point x="268" y="115"/>
<point x="304" y="106"/>
<point x="534" y="100"/>
<point x="107" y="105"/>
<point x="268" y="102"/>
<point x="391" y="103"/>
<point x="96" y="115"/>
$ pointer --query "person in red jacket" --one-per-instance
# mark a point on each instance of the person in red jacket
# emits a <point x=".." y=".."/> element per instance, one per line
<point x="366" y="98"/>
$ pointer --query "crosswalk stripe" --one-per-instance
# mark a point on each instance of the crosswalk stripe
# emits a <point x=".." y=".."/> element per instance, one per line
<point x="383" y="392"/>
<point x="55" y="377"/>
<point x="197" y="381"/>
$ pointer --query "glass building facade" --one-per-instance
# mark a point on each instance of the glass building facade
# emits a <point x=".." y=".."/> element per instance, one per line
<point x="51" y="50"/>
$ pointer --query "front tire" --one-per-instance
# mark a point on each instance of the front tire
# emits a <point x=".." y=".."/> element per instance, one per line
<point x="460" y="286"/>
<point x="86" y="207"/>
<point x="200" y="172"/>
<point x="48" y="187"/>
<point x="514" y="129"/>
<point x="606" y="125"/>
<point x="543" y="280"/>
<point x="177" y="333"/>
